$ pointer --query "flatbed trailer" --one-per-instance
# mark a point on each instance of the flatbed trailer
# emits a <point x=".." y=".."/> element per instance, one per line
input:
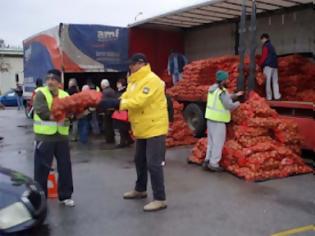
<point x="302" y="113"/>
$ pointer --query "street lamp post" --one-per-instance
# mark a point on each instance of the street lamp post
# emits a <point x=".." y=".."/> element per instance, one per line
<point x="139" y="14"/>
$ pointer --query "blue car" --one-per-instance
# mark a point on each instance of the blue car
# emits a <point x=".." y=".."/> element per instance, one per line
<point x="22" y="202"/>
<point x="9" y="98"/>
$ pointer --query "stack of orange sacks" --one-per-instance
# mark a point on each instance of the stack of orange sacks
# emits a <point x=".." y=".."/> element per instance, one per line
<point x="296" y="78"/>
<point x="75" y="104"/>
<point x="179" y="133"/>
<point x="198" y="75"/>
<point x="260" y="145"/>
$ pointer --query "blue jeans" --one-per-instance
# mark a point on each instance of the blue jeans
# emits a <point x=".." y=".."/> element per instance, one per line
<point x="84" y="127"/>
<point x="19" y="102"/>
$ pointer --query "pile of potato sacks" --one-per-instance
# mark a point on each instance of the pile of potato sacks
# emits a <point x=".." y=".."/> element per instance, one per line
<point x="260" y="145"/>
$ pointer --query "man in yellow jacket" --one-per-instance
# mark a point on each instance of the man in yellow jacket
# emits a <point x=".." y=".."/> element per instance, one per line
<point x="146" y="104"/>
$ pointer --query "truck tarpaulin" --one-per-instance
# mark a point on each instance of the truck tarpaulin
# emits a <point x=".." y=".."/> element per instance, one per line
<point x="75" y="48"/>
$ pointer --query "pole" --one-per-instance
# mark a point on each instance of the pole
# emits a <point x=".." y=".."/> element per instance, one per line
<point x="253" y="46"/>
<point x="242" y="49"/>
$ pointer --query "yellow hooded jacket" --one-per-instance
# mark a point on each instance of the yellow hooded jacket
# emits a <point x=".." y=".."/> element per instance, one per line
<point x="146" y="103"/>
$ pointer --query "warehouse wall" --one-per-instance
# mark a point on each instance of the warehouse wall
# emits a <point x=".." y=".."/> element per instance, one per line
<point x="211" y="41"/>
<point x="291" y="32"/>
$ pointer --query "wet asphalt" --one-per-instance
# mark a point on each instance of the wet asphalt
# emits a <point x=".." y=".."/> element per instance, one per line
<point x="199" y="203"/>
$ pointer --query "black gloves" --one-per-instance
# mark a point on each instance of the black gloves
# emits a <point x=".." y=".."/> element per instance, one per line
<point x="110" y="103"/>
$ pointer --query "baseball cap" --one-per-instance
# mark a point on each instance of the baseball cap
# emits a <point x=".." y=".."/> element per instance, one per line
<point x="54" y="74"/>
<point x="137" y="58"/>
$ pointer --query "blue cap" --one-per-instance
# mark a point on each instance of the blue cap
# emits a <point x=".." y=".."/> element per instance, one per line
<point x="221" y="75"/>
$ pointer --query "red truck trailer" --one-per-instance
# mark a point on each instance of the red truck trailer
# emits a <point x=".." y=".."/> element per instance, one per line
<point x="213" y="29"/>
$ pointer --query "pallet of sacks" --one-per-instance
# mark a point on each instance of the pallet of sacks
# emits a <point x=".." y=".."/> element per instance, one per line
<point x="296" y="78"/>
<point x="260" y="145"/>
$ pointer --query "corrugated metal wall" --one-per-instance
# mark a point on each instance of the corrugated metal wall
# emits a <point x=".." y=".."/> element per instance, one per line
<point x="292" y="32"/>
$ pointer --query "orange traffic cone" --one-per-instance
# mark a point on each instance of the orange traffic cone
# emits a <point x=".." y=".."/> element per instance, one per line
<point x="52" y="185"/>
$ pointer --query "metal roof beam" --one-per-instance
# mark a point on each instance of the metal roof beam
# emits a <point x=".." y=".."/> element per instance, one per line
<point x="277" y="3"/>
<point x="262" y="6"/>
<point x="197" y="16"/>
<point x="176" y="22"/>
<point x="171" y="24"/>
<point x="235" y="7"/>
<point x="186" y="19"/>
<point x="221" y="10"/>
<point x="218" y="14"/>
<point x="205" y="13"/>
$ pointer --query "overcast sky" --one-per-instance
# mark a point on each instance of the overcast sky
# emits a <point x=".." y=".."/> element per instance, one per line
<point x="23" y="18"/>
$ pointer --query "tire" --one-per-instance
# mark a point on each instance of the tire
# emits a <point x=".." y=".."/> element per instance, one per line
<point x="194" y="116"/>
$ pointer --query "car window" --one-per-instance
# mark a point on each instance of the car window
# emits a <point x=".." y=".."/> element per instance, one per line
<point x="9" y="93"/>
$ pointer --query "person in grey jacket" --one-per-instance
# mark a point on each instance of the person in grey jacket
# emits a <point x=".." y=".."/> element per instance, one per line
<point x="218" y="113"/>
<point x="109" y="132"/>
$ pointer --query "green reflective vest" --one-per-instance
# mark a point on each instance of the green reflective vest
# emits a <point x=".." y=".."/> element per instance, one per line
<point x="215" y="110"/>
<point x="50" y="127"/>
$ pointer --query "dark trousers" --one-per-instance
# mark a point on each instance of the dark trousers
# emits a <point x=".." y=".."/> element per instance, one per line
<point x="125" y="137"/>
<point x="108" y="128"/>
<point x="150" y="154"/>
<point x="84" y="129"/>
<point x="44" y="153"/>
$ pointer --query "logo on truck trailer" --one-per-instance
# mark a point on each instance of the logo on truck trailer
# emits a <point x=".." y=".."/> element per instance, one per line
<point x="104" y="36"/>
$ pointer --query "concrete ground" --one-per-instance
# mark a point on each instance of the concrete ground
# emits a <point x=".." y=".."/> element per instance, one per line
<point x="200" y="203"/>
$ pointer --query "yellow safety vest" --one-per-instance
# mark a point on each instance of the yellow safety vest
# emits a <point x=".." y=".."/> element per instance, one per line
<point x="50" y="127"/>
<point x="215" y="110"/>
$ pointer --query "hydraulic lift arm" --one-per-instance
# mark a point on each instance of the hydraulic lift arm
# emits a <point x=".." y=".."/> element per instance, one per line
<point x="241" y="48"/>
<point x="252" y="47"/>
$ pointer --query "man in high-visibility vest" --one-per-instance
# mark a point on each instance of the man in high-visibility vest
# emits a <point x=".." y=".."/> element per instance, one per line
<point x="218" y="113"/>
<point x="51" y="139"/>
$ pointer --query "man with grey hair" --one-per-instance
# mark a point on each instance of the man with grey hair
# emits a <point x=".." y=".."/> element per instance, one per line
<point x="73" y="88"/>
<point x="108" y="92"/>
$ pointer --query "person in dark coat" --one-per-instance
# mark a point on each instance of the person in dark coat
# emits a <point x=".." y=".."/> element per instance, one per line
<point x="122" y="126"/>
<point x="269" y="64"/>
<point x="108" y="92"/>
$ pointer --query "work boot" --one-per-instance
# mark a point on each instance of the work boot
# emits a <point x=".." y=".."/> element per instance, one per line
<point x="68" y="202"/>
<point x="205" y="165"/>
<point x="215" y="168"/>
<point x="135" y="195"/>
<point x="155" y="206"/>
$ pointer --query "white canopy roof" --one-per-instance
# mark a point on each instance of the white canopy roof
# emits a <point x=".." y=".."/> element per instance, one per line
<point x="216" y="11"/>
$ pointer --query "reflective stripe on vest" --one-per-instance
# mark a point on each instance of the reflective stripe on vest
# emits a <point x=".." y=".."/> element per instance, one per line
<point x="50" y="127"/>
<point x="215" y="110"/>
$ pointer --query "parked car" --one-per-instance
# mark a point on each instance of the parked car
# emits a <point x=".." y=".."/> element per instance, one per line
<point x="9" y="98"/>
<point x="22" y="202"/>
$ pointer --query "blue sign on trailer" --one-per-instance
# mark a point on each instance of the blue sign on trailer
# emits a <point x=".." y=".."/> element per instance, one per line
<point x="74" y="48"/>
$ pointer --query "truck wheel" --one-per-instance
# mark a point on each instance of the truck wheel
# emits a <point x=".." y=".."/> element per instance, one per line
<point x="194" y="116"/>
